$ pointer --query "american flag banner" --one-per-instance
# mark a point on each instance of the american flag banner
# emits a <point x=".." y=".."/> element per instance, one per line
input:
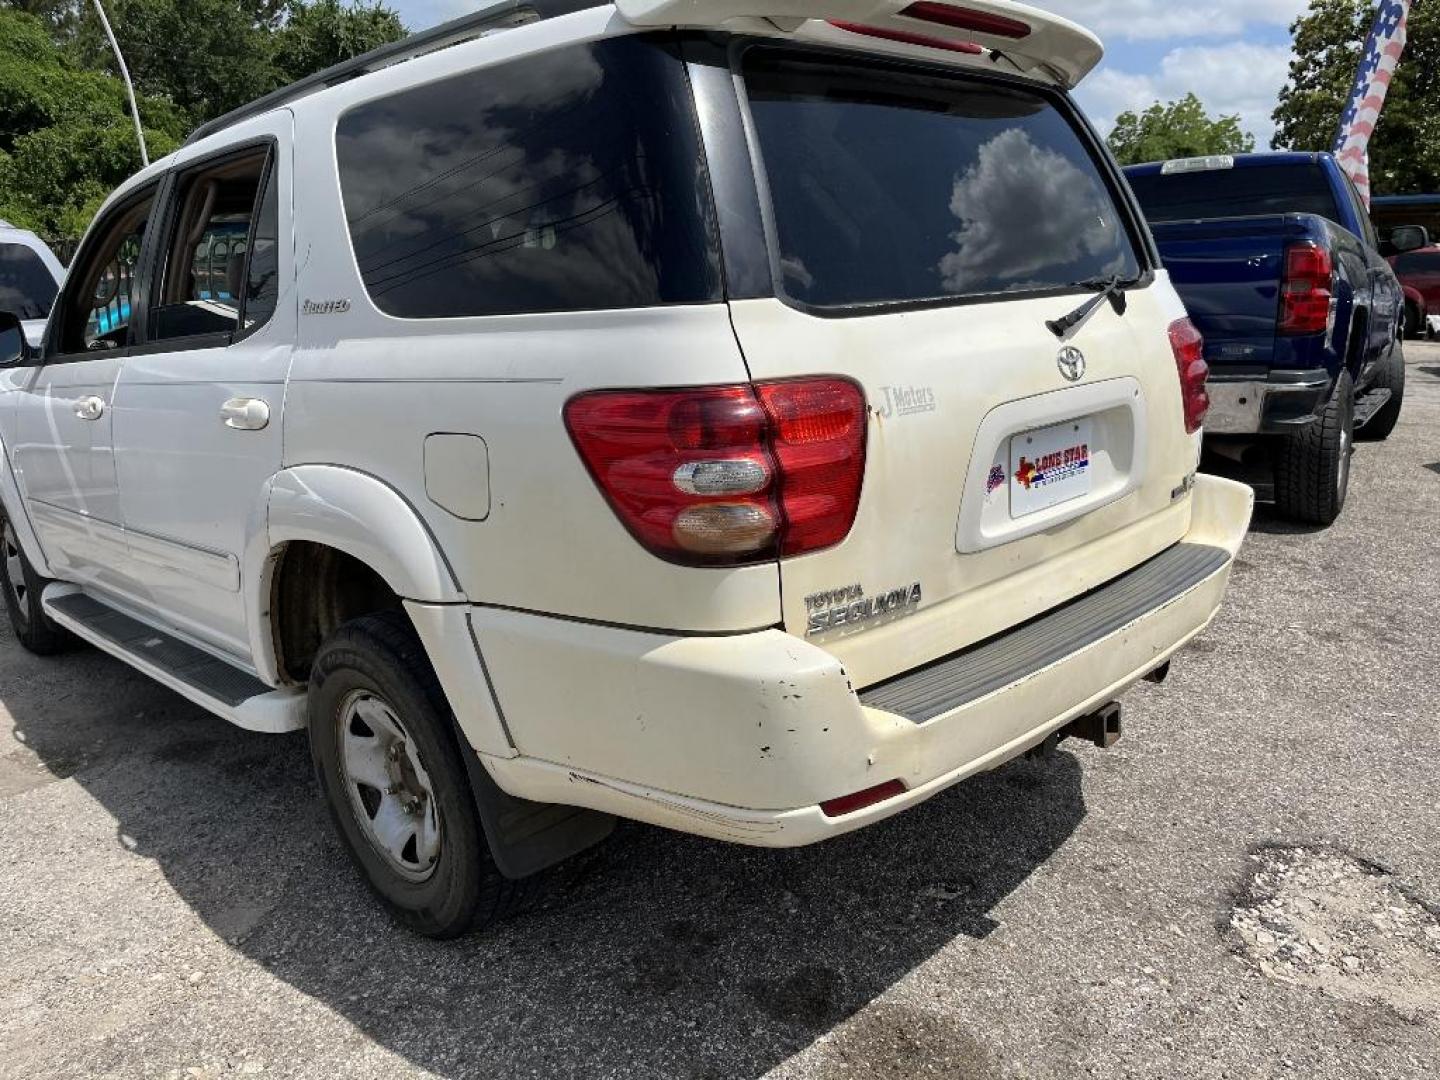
<point x="1378" y="62"/>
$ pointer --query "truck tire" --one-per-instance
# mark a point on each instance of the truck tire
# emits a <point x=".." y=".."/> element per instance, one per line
<point x="22" y="587"/>
<point x="1391" y="376"/>
<point x="389" y="766"/>
<point x="1414" y="321"/>
<point x="1312" y="468"/>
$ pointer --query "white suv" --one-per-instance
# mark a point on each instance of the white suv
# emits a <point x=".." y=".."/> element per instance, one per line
<point x="741" y="422"/>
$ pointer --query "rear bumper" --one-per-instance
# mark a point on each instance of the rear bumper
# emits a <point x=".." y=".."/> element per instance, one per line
<point x="742" y="738"/>
<point x="1284" y="401"/>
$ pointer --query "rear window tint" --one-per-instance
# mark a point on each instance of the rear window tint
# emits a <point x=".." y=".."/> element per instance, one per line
<point x="896" y="185"/>
<point x="570" y="180"/>
<point x="1242" y="192"/>
<point x="27" y="288"/>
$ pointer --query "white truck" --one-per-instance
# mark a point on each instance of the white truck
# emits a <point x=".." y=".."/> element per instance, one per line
<point x="750" y="418"/>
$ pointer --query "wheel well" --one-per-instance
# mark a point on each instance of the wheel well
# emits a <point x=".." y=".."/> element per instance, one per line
<point x="315" y="590"/>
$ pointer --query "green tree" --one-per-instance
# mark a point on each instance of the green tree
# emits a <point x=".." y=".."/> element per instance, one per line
<point x="66" y="138"/>
<point x="211" y="56"/>
<point x="1405" y="149"/>
<point x="321" y="34"/>
<point x="1178" y="130"/>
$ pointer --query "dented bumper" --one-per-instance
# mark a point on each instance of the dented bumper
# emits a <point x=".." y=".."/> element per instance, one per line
<point x="743" y="738"/>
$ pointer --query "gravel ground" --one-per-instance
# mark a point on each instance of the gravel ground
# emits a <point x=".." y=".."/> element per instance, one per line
<point x="172" y="903"/>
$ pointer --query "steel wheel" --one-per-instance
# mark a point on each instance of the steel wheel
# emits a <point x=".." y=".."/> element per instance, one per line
<point x="15" y="569"/>
<point x="390" y="792"/>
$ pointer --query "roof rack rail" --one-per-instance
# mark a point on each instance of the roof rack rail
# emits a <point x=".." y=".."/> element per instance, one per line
<point x="491" y="17"/>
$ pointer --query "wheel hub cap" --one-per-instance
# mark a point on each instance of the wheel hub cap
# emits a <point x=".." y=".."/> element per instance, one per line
<point x="14" y="568"/>
<point x="390" y="792"/>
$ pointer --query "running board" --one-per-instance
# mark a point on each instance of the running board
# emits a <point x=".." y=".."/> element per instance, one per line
<point x="1370" y="403"/>
<point x="229" y="692"/>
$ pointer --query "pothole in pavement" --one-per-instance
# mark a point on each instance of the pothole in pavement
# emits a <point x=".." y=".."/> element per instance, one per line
<point x="1324" y="919"/>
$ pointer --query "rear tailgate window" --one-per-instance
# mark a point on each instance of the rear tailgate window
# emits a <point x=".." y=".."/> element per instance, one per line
<point x="1244" y="192"/>
<point x="903" y="185"/>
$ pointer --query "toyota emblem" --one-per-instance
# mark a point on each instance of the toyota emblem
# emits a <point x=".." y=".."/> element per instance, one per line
<point x="1072" y="363"/>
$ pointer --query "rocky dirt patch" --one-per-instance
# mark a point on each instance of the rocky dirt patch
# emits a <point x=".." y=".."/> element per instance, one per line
<point x="1325" y="919"/>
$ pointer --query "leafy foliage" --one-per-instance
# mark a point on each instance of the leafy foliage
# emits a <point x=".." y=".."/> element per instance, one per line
<point x="66" y="138"/>
<point x="1178" y="130"/>
<point x="1405" y="150"/>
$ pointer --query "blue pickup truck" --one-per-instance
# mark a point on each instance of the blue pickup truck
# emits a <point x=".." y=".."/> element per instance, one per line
<point x="1283" y="272"/>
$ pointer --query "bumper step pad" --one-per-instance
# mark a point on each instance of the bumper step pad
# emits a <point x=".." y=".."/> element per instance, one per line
<point x="955" y="681"/>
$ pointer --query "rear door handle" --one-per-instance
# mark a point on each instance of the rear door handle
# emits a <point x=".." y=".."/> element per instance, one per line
<point x="245" y="414"/>
<point x="90" y="408"/>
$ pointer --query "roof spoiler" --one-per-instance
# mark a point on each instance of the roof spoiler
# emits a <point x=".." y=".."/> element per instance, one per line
<point x="1033" y="40"/>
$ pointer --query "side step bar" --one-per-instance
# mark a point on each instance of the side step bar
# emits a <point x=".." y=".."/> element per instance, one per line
<point x="210" y="682"/>
<point x="1370" y="403"/>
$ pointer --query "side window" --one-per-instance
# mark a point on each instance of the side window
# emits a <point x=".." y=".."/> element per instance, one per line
<point x="262" y="272"/>
<point x="565" y="181"/>
<point x="217" y="230"/>
<point x="100" y="289"/>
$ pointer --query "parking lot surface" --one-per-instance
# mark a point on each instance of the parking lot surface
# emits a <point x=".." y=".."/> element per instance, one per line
<point x="1247" y="886"/>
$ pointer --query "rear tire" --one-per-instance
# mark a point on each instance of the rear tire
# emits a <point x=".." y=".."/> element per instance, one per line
<point x="1312" y="468"/>
<point x="1414" y="321"/>
<point x="1391" y="376"/>
<point x="389" y="766"/>
<point x="22" y="587"/>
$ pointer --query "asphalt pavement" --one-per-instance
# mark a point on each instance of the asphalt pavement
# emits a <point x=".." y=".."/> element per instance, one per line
<point x="1246" y="886"/>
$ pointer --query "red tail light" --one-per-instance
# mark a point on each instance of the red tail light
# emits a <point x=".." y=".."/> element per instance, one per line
<point x="905" y="37"/>
<point x="1189" y="347"/>
<point x="727" y="474"/>
<point x="1306" y="289"/>
<point x="981" y="22"/>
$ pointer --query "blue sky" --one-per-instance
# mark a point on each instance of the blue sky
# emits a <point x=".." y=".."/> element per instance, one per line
<point x="1234" y="54"/>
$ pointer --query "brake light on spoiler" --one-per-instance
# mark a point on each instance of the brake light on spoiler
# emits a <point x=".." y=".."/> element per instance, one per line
<point x="1035" y="41"/>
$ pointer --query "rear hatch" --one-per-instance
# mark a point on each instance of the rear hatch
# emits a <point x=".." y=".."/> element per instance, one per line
<point x="928" y="223"/>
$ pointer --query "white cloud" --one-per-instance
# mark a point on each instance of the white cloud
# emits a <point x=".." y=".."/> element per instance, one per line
<point x="1236" y="78"/>
<point x="1161" y="19"/>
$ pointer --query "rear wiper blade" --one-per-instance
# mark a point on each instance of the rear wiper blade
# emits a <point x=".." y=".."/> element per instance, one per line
<point x="1111" y="289"/>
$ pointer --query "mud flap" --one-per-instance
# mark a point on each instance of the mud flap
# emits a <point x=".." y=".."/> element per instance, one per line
<point x="528" y="837"/>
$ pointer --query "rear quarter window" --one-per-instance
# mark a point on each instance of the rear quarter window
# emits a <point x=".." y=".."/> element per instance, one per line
<point x="894" y="185"/>
<point x="570" y="180"/>
<point x="27" y="288"/>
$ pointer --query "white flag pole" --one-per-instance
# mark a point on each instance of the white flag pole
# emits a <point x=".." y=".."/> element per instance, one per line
<point x="129" y="87"/>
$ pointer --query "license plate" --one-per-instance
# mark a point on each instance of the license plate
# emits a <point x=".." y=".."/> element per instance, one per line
<point x="1049" y="466"/>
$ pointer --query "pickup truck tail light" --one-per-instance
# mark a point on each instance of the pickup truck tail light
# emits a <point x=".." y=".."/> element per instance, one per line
<point x="1189" y="347"/>
<point x="727" y="475"/>
<point x="1306" y="290"/>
